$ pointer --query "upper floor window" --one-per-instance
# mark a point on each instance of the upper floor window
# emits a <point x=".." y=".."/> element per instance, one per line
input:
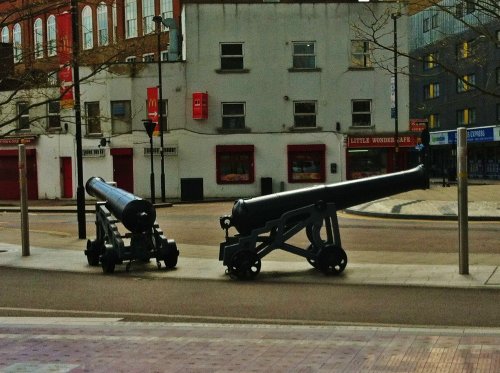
<point x="431" y="90"/>
<point x="231" y="56"/>
<point x="434" y="121"/>
<point x="464" y="50"/>
<point x="102" y="25"/>
<point x="17" y="42"/>
<point x="51" y="36"/>
<point x="466" y="82"/>
<point x="304" y="55"/>
<point x="498" y="36"/>
<point x="148" y="12"/>
<point x="459" y="10"/>
<point x="166" y="9"/>
<point x="498" y="75"/>
<point x="131" y="59"/>
<point x="426" y="26"/>
<point x="93" y="117"/>
<point x="148" y="57"/>
<point x="53" y="113"/>
<point x="87" y="28"/>
<point x="435" y="21"/>
<point x="430" y="61"/>
<point x="23" y="113"/>
<point x="361" y="113"/>
<point x="470" y="6"/>
<point x="360" y="53"/>
<point x="304" y="113"/>
<point x="466" y="117"/>
<point x="38" y="38"/>
<point x="130" y="19"/>
<point x="113" y="19"/>
<point x="5" y="35"/>
<point x="233" y="115"/>
<point x="121" y="117"/>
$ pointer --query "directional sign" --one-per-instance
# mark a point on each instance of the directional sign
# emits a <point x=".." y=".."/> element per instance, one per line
<point x="153" y="104"/>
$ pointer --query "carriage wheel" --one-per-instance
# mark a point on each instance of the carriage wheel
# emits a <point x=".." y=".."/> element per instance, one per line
<point x="108" y="261"/>
<point x="244" y="265"/>
<point x="170" y="254"/>
<point x="93" y="252"/>
<point x="332" y="260"/>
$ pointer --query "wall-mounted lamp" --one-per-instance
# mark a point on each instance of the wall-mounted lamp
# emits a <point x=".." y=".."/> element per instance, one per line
<point x="286" y="98"/>
<point x="103" y="142"/>
<point x="337" y="126"/>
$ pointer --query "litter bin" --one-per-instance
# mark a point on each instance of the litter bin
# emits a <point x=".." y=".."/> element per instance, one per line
<point x="192" y="189"/>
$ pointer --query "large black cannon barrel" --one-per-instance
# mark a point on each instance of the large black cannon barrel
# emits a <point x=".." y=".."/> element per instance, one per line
<point x="249" y="214"/>
<point x="136" y="214"/>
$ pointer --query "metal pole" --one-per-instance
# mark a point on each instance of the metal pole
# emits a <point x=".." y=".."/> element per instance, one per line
<point x="158" y="21"/>
<point x="25" y="238"/>
<point x="152" y="176"/>
<point x="394" y="17"/>
<point x="463" y="228"/>
<point x="80" y="191"/>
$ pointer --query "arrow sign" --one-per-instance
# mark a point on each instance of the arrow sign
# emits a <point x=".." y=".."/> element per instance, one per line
<point x="153" y="104"/>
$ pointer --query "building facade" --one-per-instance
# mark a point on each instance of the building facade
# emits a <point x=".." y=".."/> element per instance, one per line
<point x="456" y="83"/>
<point x="266" y="97"/>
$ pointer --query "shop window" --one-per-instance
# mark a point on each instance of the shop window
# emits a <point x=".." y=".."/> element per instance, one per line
<point x="431" y="91"/>
<point x="304" y="113"/>
<point x="93" y="118"/>
<point x="233" y="115"/>
<point x="102" y="24"/>
<point x="433" y="121"/>
<point x="54" y="115"/>
<point x="23" y="113"/>
<point x="361" y="113"/>
<point x="231" y="56"/>
<point x="87" y="28"/>
<point x="466" y="83"/>
<point x="360" y="54"/>
<point x="430" y="61"/>
<point x="235" y="164"/>
<point x="304" y="55"/>
<point x="121" y="118"/>
<point x="306" y="163"/>
<point x="466" y="117"/>
<point x="366" y="163"/>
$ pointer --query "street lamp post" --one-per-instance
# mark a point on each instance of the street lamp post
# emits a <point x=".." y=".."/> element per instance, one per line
<point x="395" y="17"/>
<point x="158" y="21"/>
<point x="149" y="126"/>
<point x="80" y="191"/>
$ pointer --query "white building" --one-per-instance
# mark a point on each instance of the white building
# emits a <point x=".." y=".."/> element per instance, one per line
<point x="293" y="100"/>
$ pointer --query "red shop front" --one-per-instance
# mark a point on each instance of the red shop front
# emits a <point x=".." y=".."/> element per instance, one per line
<point x="375" y="155"/>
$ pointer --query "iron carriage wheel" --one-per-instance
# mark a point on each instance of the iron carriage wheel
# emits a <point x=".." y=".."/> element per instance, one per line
<point x="244" y="265"/>
<point x="332" y="260"/>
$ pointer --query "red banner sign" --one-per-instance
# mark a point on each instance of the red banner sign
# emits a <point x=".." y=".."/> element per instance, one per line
<point x="417" y="125"/>
<point x="153" y="108"/>
<point x="380" y="141"/>
<point x="64" y="51"/>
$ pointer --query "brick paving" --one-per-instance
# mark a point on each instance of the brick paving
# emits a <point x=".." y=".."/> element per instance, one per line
<point x="65" y="345"/>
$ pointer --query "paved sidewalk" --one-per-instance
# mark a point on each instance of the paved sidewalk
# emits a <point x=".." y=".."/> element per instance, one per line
<point x="108" y="345"/>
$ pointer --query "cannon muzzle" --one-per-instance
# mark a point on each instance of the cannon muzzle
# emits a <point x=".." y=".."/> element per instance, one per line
<point x="136" y="214"/>
<point x="249" y="214"/>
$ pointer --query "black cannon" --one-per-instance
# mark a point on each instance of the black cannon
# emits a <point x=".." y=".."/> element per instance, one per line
<point x="266" y="223"/>
<point x="146" y="240"/>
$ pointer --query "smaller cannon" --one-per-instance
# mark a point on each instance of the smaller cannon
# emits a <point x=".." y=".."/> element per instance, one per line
<point x="266" y="223"/>
<point x="139" y="217"/>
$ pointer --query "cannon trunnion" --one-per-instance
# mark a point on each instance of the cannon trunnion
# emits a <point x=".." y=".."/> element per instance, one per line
<point x="146" y="239"/>
<point x="266" y="223"/>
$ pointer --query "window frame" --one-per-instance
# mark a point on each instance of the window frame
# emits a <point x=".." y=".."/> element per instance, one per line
<point x="359" y="113"/>
<point x="17" y="42"/>
<point x="307" y="153"/>
<point x="426" y="25"/>
<point x="102" y="25"/>
<point x="300" y="118"/>
<point x="303" y="56"/>
<point x="466" y="117"/>
<point x="238" y="118"/>
<point x="148" y="57"/>
<point x="464" y="50"/>
<point x="365" y="55"/>
<point x="463" y="84"/>
<point x="87" y="28"/>
<point x="432" y="91"/>
<point x="51" y="36"/>
<point x="429" y="61"/>
<point x="122" y="120"/>
<point x="227" y="61"/>
<point x="148" y="12"/>
<point x="53" y="115"/>
<point x="38" y="38"/>
<point x="23" y="112"/>
<point x="93" y="121"/>
<point x="434" y="121"/>
<point x="130" y="19"/>
<point x="239" y="157"/>
<point x="5" y="35"/>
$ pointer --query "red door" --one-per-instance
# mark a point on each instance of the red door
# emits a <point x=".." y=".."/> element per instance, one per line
<point x="9" y="174"/>
<point x="123" y="168"/>
<point x="67" y="177"/>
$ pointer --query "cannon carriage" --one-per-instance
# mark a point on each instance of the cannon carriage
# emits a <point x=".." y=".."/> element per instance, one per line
<point x="144" y="241"/>
<point x="268" y="222"/>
